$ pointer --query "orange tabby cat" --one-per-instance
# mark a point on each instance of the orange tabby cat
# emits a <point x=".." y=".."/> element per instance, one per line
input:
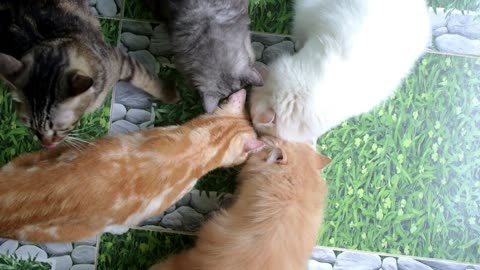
<point x="274" y="221"/>
<point x="68" y="195"/>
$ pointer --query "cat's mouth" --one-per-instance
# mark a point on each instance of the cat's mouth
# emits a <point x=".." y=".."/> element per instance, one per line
<point x="50" y="145"/>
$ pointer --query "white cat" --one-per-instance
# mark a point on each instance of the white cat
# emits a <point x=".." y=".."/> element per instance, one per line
<point x="354" y="54"/>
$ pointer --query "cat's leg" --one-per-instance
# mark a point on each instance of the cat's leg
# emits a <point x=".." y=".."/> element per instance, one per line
<point x="130" y="70"/>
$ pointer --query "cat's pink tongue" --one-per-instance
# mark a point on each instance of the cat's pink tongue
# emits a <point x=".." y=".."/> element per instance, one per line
<point x="49" y="146"/>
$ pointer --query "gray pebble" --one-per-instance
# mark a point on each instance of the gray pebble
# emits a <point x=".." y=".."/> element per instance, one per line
<point x="266" y="39"/>
<point x="118" y="112"/>
<point x="258" y="50"/>
<point x="134" y="42"/>
<point x="204" y="203"/>
<point x="92" y="241"/>
<point x="62" y="262"/>
<point x="122" y="127"/>
<point x="119" y="3"/>
<point x="147" y="125"/>
<point x="349" y="260"/>
<point x="445" y="265"/>
<point x="131" y="96"/>
<point x="160" y="41"/>
<point x="314" y="265"/>
<point x="163" y="60"/>
<point x="83" y="267"/>
<point x="84" y="255"/>
<point x="405" y="263"/>
<point x="8" y="247"/>
<point x="137" y="116"/>
<point x="465" y="25"/>
<point x="57" y="248"/>
<point x="172" y="220"/>
<point x="147" y="59"/>
<point x="29" y="251"/>
<point x="273" y="52"/>
<point x="92" y="2"/>
<point x="170" y="209"/>
<point x="185" y="200"/>
<point x="107" y="8"/>
<point x="389" y="263"/>
<point x="155" y="220"/>
<point x="191" y="219"/>
<point x="440" y="31"/>
<point x="457" y="44"/>
<point x="437" y="20"/>
<point x="139" y="28"/>
<point x="323" y="255"/>
<point x="94" y="11"/>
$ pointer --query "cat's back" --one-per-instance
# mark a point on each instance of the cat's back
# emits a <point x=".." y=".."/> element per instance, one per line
<point x="26" y="23"/>
<point x="271" y="227"/>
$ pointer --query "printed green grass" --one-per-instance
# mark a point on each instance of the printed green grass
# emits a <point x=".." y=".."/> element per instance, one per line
<point x="139" y="249"/>
<point x="16" y="139"/>
<point x="405" y="178"/>
<point x="11" y="263"/>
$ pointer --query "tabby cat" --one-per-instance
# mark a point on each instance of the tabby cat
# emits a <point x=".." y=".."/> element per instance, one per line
<point x="64" y="194"/>
<point x="56" y="60"/>
<point x="274" y="221"/>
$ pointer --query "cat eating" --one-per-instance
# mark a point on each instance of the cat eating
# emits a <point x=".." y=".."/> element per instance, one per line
<point x="64" y="194"/>
<point x="353" y="55"/>
<point x="274" y="220"/>
<point x="55" y="59"/>
<point x="211" y="45"/>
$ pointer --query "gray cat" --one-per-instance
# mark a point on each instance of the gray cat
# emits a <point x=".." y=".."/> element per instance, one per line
<point x="211" y="44"/>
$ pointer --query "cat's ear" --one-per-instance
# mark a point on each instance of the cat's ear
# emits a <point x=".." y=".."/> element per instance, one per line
<point x="266" y="117"/>
<point x="322" y="161"/>
<point x="277" y="155"/>
<point x="252" y="77"/>
<point x="79" y="84"/>
<point x="210" y="103"/>
<point x="253" y="145"/>
<point x="9" y="67"/>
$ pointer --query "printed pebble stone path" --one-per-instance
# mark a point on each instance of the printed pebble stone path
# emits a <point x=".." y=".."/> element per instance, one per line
<point x="132" y="110"/>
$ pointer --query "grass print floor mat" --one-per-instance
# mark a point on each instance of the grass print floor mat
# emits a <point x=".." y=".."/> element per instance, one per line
<point x="404" y="179"/>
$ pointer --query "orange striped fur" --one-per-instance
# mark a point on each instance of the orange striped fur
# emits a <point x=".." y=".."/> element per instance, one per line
<point x="68" y="195"/>
<point x="275" y="219"/>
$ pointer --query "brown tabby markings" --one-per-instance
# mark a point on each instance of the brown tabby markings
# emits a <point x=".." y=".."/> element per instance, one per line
<point x="69" y="195"/>
<point x="274" y="221"/>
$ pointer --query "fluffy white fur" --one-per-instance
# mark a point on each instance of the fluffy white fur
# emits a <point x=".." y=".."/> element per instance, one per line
<point x="354" y="54"/>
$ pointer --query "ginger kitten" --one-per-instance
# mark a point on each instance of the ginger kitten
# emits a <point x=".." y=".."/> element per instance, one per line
<point x="68" y="195"/>
<point x="274" y="220"/>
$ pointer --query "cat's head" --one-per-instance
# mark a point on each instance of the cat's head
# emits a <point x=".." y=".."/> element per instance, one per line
<point x="279" y="153"/>
<point x="220" y="60"/>
<point x="214" y="89"/>
<point x="232" y="130"/>
<point x="51" y="94"/>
